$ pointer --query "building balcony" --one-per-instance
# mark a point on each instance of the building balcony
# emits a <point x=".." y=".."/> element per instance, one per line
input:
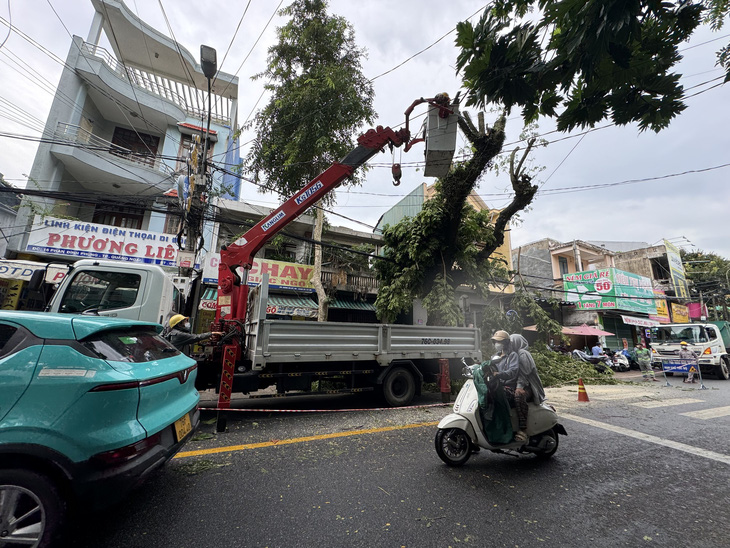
<point x="162" y="101"/>
<point x="357" y="282"/>
<point x="101" y="166"/>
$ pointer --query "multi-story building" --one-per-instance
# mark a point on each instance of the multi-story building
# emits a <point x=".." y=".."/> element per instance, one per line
<point x="123" y="121"/>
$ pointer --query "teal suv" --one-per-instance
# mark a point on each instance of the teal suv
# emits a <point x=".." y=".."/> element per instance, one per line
<point x="89" y="406"/>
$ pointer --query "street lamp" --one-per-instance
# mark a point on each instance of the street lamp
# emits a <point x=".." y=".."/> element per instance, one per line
<point x="209" y="64"/>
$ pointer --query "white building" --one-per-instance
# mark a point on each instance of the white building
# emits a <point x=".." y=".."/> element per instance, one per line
<point x="119" y="131"/>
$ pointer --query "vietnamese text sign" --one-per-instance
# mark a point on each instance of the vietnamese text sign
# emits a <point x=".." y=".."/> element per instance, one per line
<point x="680" y="366"/>
<point x="282" y="275"/>
<point x="609" y="289"/>
<point x="676" y="271"/>
<point x="95" y="241"/>
<point x="680" y="313"/>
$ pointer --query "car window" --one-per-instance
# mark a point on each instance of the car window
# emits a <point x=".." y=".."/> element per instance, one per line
<point x="100" y="290"/>
<point x="6" y="334"/>
<point x="130" y="345"/>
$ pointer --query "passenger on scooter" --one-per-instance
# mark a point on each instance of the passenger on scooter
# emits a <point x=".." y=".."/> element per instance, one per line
<point x="528" y="378"/>
<point x="508" y="369"/>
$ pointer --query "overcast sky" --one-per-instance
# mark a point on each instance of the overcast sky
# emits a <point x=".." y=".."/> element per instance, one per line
<point x="609" y="184"/>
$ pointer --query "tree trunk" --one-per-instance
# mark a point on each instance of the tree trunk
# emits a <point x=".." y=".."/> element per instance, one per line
<point x="317" y="276"/>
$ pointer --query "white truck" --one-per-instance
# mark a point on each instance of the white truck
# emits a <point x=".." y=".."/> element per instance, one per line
<point x="710" y="341"/>
<point x="290" y="355"/>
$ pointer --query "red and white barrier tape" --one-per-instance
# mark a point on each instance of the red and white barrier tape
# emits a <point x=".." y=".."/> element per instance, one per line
<point x="322" y="410"/>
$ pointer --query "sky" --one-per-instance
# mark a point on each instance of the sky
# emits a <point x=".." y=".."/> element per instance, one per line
<point x="610" y="184"/>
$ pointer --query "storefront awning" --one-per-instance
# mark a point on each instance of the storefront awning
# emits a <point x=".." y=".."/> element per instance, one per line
<point x="293" y="301"/>
<point x="642" y="322"/>
<point x="352" y="305"/>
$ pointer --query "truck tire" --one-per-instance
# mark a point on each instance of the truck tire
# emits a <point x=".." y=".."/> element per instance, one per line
<point x="31" y="507"/>
<point x="722" y="371"/>
<point x="399" y="387"/>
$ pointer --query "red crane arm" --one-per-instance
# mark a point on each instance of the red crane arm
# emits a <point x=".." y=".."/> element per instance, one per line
<point x="232" y="287"/>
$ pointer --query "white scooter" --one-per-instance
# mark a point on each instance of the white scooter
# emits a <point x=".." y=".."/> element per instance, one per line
<point x="460" y="433"/>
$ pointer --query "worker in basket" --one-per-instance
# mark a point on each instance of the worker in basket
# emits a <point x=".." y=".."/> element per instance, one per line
<point x="178" y="333"/>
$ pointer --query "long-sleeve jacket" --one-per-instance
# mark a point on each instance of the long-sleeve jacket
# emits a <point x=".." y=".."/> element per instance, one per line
<point x="528" y="375"/>
<point x="687" y="356"/>
<point x="508" y="368"/>
<point x="181" y="339"/>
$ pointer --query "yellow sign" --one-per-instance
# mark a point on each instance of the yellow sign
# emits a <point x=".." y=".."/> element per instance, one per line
<point x="680" y="313"/>
<point x="12" y="295"/>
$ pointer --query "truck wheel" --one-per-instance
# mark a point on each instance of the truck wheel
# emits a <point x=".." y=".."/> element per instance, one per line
<point x="399" y="387"/>
<point x="31" y="509"/>
<point x="721" y="371"/>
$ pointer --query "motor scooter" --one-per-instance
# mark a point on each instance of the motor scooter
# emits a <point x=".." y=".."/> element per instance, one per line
<point x="461" y="433"/>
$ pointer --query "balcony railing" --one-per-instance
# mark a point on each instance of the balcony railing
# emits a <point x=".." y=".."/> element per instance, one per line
<point x="194" y="106"/>
<point x="84" y="139"/>
<point x="355" y="282"/>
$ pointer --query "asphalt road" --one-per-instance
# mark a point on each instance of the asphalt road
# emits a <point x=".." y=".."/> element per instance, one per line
<point x="643" y="465"/>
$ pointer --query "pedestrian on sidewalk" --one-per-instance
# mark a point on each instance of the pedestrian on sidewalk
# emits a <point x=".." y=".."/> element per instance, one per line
<point x="643" y="357"/>
<point x="687" y="356"/>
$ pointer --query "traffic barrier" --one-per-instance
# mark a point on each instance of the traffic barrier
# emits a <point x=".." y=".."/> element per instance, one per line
<point x="582" y="394"/>
<point x="231" y="409"/>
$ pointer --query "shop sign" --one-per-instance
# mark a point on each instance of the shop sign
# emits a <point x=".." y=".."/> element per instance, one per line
<point x="641" y="322"/>
<point x="676" y="271"/>
<point x="662" y="310"/>
<point x="680" y="313"/>
<point x="291" y="311"/>
<point x="95" y="241"/>
<point x="23" y="270"/>
<point x="282" y="275"/>
<point x="609" y="289"/>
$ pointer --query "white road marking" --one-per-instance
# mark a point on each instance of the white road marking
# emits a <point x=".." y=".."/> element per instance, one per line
<point x="665" y="403"/>
<point x="705" y="414"/>
<point x="719" y="457"/>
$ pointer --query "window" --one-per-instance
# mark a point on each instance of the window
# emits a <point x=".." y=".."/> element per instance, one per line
<point x="6" y="333"/>
<point x="135" y="146"/>
<point x="130" y="345"/>
<point x="98" y="290"/>
<point x="186" y="145"/>
<point x="123" y="217"/>
<point x="563" y="265"/>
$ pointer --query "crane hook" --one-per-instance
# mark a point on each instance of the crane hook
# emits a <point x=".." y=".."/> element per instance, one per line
<point x="397" y="174"/>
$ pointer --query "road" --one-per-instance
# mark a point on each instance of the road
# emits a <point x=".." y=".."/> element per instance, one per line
<point x="643" y="465"/>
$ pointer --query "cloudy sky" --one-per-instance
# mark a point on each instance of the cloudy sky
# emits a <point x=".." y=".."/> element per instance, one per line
<point x="612" y="184"/>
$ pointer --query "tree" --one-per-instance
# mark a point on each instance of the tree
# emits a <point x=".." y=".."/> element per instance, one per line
<point x="319" y="99"/>
<point x="580" y="62"/>
<point x="709" y="274"/>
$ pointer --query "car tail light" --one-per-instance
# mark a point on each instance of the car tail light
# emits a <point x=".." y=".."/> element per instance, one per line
<point x="181" y="376"/>
<point x="128" y="452"/>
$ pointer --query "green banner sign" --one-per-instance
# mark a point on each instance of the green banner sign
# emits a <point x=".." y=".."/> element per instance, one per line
<point x="609" y="289"/>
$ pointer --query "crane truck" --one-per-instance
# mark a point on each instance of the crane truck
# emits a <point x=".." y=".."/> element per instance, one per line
<point x="256" y="352"/>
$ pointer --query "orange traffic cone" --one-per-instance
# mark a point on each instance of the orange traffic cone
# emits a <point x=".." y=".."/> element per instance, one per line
<point x="582" y="394"/>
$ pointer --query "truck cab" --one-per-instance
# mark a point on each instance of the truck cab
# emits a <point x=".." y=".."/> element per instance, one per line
<point x="710" y="341"/>
<point x="125" y="290"/>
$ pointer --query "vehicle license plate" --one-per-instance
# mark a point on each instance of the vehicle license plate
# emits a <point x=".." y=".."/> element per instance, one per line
<point x="183" y="426"/>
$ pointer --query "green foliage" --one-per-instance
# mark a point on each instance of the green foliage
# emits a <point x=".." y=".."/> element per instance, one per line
<point x="558" y="369"/>
<point x="319" y="99"/>
<point x="583" y="61"/>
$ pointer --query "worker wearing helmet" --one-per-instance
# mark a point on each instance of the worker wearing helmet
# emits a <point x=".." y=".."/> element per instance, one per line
<point x="688" y="357"/>
<point x="180" y="336"/>
<point x="508" y="369"/>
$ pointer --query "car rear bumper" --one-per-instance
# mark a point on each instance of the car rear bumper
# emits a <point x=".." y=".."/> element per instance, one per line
<point x="100" y="485"/>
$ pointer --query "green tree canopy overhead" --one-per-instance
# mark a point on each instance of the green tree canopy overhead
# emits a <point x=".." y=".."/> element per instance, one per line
<point x="582" y="61"/>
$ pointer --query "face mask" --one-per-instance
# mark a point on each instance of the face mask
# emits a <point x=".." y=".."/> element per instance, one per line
<point x="186" y="325"/>
<point x="498" y="347"/>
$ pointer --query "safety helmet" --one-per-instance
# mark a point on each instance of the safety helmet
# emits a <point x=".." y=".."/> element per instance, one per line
<point x="176" y="319"/>
<point x="500" y="335"/>
<point x="684" y="343"/>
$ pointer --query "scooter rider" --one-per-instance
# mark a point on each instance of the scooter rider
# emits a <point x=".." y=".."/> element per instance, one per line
<point x="508" y="370"/>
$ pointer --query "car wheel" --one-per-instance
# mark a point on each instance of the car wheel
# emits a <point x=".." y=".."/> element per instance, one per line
<point x="453" y="446"/>
<point x="32" y="510"/>
<point x="399" y="387"/>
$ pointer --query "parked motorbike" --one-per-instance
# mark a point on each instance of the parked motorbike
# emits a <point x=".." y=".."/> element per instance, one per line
<point x="599" y="362"/>
<point x="461" y="433"/>
<point x="620" y="362"/>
